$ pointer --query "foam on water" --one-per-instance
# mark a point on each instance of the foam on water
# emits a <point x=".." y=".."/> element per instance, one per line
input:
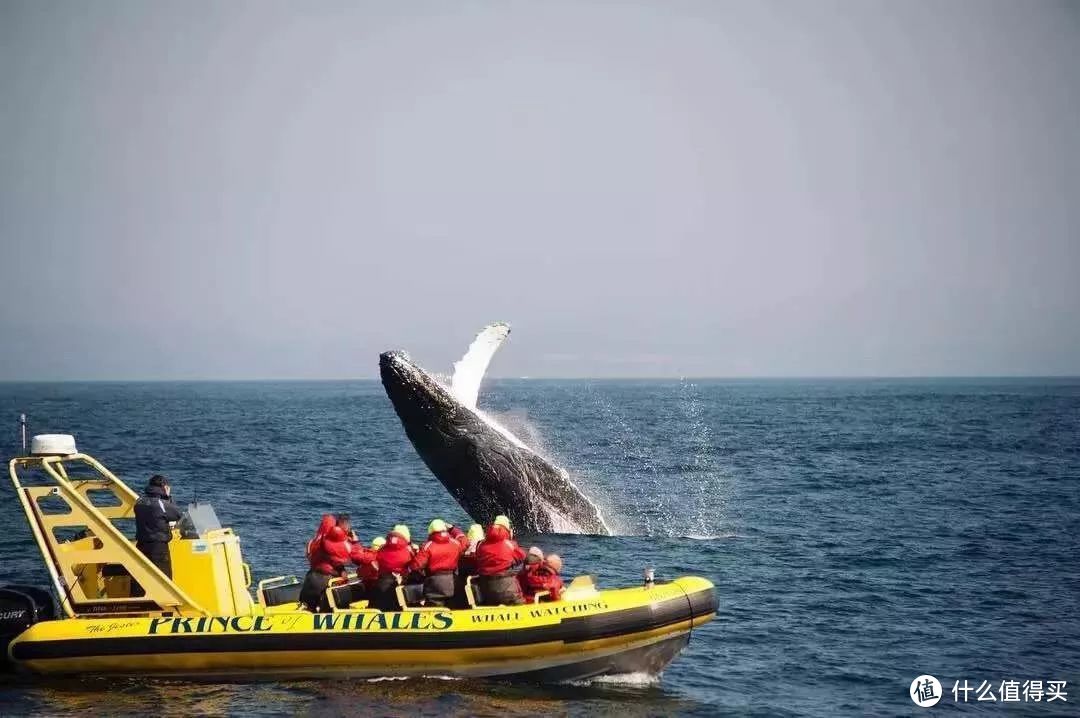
<point x="717" y="537"/>
<point x="398" y="679"/>
<point x="638" y="678"/>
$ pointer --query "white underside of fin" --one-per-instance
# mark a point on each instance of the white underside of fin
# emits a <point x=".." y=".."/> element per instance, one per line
<point x="469" y="371"/>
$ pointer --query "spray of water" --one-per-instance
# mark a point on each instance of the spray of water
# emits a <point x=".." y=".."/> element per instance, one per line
<point x="516" y="423"/>
<point x="706" y="478"/>
<point x="646" y="503"/>
<point x="560" y="522"/>
<point x="649" y="504"/>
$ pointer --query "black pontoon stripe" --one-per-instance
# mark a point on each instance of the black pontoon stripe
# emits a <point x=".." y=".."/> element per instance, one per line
<point x="703" y="602"/>
<point x="569" y="630"/>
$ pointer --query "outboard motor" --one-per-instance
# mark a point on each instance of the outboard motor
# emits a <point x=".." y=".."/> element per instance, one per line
<point x="20" y="608"/>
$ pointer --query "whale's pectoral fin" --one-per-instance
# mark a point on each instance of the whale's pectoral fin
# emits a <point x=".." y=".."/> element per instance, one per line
<point x="469" y="371"/>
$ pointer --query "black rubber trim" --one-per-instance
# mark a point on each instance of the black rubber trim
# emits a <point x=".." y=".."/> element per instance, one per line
<point x="569" y="630"/>
<point x="703" y="603"/>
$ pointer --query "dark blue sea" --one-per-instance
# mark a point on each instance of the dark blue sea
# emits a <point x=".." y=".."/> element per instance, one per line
<point x="860" y="533"/>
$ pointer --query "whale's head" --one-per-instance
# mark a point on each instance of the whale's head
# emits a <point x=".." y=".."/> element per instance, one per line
<point x="412" y="389"/>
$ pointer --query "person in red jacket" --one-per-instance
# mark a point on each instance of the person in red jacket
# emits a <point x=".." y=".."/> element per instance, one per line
<point x="438" y="560"/>
<point x="543" y="576"/>
<point x="328" y="554"/>
<point x="364" y="560"/>
<point x="533" y="558"/>
<point x="335" y="551"/>
<point x="325" y="525"/>
<point x="368" y="568"/>
<point x="393" y="558"/>
<point x="495" y="559"/>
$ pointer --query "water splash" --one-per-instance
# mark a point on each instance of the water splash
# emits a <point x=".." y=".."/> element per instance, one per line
<point x="646" y="503"/>
<point x="708" y="482"/>
<point x="518" y="421"/>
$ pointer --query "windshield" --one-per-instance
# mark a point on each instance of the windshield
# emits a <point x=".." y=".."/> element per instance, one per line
<point x="198" y="520"/>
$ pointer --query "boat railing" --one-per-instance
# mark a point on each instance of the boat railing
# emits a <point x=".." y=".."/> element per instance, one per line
<point x="75" y="520"/>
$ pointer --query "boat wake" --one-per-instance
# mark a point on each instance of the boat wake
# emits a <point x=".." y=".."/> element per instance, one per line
<point x="637" y="679"/>
<point x="384" y="679"/>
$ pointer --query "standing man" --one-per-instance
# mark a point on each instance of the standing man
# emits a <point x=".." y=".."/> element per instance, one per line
<point x="154" y="512"/>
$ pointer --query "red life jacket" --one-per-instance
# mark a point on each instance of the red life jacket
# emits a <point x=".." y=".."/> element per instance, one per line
<point x="497" y="553"/>
<point x="325" y="525"/>
<point x="367" y="565"/>
<point x="360" y="555"/>
<point x="440" y="553"/>
<point x="395" y="555"/>
<point x="540" y="577"/>
<point x="332" y="553"/>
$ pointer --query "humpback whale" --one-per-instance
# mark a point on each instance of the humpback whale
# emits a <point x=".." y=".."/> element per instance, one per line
<point x="487" y="469"/>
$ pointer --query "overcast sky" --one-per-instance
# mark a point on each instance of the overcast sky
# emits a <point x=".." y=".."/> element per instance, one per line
<point x="283" y="190"/>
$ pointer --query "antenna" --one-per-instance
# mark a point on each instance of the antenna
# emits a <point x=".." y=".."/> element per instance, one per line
<point x="22" y="430"/>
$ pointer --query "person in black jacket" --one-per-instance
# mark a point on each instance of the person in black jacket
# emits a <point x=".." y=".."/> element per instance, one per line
<point x="153" y="512"/>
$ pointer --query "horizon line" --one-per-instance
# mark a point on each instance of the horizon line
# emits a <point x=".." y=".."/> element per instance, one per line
<point x="629" y="377"/>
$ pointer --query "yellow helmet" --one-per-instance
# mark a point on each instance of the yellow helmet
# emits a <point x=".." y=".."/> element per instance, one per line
<point x="503" y="521"/>
<point x="436" y="527"/>
<point x="378" y="542"/>
<point x="403" y="531"/>
<point x="476" y="533"/>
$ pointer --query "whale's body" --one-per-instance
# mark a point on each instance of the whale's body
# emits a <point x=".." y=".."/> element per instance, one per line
<point x="483" y="465"/>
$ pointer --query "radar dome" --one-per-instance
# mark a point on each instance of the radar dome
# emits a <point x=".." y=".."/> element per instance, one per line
<point x="53" y="445"/>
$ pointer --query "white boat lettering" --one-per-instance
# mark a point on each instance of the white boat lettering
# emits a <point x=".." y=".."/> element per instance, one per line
<point x="564" y="609"/>
<point x="110" y="627"/>
<point x="496" y="617"/>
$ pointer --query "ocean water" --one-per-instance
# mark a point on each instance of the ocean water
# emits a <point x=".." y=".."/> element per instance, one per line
<point x="860" y="533"/>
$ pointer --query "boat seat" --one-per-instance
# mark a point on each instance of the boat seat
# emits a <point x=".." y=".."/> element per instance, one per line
<point x="581" y="587"/>
<point x="410" y="596"/>
<point x="472" y="592"/>
<point x="279" y="591"/>
<point x="342" y="593"/>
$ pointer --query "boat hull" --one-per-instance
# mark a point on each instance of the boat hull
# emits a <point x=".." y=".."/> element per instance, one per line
<point x="608" y="633"/>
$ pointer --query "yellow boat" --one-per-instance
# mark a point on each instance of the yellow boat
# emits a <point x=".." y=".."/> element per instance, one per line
<point x="112" y="611"/>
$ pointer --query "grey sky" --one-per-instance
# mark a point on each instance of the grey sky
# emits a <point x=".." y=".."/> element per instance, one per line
<point x="261" y="189"/>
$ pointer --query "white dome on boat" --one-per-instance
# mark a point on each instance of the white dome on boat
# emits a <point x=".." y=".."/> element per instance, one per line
<point x="53" y="445"/>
